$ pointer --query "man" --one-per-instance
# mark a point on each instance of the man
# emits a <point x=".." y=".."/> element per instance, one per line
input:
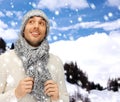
<point x="32" y="73"/>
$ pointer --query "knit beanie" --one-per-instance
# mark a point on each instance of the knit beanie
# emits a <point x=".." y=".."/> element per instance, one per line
<point x="32" y="13"/>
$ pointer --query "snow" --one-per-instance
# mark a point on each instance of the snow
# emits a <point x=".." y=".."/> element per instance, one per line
<point x="97" y="55"/>
<point x="104" y="96"/>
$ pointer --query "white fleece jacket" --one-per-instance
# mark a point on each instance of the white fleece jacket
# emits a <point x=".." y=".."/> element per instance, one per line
<point x="12" y="71"/>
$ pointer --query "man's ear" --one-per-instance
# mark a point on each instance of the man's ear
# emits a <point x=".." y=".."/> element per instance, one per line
<point x="46" y="33"/>
<point x="23" y="32"/>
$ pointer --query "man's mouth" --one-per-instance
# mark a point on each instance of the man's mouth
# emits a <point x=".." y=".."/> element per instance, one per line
<point x="35" y="34"/>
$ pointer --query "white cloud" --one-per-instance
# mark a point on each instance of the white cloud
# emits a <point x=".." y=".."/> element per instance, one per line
<point x="53" y="24"/>
<point x="107" y="26"/>
<point x="19" y="14"/>
<point x="3" y="25"/>
<point x="113" y="3"/>
<point x="115" y="35"/>
<point x="57" y="4"/>
<point x="78" y="25"/>
<point x="1" y="14"/>
<point x="95" y="54"/>
<point x="8" y="34"/>
<point x="9" y="13"/>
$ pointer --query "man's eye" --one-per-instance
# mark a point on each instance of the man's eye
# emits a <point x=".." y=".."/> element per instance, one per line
<point x="42" y="23"/>
<point x="31" y="21"/>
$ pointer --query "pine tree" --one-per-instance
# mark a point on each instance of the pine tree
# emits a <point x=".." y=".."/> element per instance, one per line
<point x="12" y="46"/>
<point x="74" y="75"/>
<point x="2" y="46"/>
<point x="113" y="84"/>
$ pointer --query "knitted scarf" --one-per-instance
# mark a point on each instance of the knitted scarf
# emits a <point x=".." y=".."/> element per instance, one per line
<point x="34" y="61"/>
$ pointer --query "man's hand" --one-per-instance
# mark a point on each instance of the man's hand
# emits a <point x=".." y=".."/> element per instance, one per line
<point x="51" y="89"/>
<point x="24" y="87"/>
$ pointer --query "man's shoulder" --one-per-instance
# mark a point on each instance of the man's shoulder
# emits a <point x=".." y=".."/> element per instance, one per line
<point x="54" y="58"/>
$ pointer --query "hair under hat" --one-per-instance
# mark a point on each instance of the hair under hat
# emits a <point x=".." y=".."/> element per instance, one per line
<point x="31" y="14"/>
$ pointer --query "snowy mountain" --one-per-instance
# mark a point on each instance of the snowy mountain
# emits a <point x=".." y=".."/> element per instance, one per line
<point x="97" y="55"/>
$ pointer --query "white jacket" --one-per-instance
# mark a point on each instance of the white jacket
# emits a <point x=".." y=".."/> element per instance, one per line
<point x="12" y="71"/>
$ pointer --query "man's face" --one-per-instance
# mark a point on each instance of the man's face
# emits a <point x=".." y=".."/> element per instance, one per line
<point x="35" y="30"/>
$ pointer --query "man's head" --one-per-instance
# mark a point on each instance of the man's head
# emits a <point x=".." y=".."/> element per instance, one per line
<point x="35" y="27"/>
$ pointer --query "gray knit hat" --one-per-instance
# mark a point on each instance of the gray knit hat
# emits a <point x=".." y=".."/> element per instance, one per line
<point x="31" y="14"/>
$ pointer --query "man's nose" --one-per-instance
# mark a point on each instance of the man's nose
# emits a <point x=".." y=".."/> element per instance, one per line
<point x="36" y="25"/>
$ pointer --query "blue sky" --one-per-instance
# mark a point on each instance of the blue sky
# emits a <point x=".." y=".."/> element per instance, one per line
<point x="69" y="19"/>
<point x="84" y="31"/>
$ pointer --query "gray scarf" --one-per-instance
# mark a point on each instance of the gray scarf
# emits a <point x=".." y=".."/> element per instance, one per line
<point x="34" y="62"/>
